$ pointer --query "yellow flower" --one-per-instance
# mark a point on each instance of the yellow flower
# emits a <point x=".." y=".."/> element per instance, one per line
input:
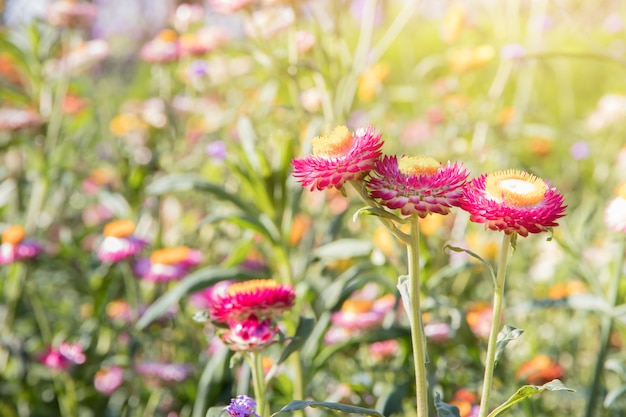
<point x="466" y="59"/>
<point x="452" y="23"/>
<point x="371" y="80"/>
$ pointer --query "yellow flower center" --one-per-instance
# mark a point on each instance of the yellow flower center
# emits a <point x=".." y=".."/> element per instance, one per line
<point x="418" y="165"/>
<point x="167" y="35"/>
<point x="13" y="235"/>
<point x="620" y="191"/>
<point x="357" y="306"/>
<point x="251" y="286"/>
<point x="517" y="188"/>
<point x="119" y="228"/>
<point x="169" y="256"/>
<point x="337" y="143"/>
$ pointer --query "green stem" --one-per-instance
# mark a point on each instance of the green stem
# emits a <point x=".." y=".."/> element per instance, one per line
<point x="498" y="298"/>
<point x="12" y="290"/>
<point x="132" y="293"/>
<point x="605" y="332"/>
<point x="256" y="359"/>
<point x="417" y="330"/>
<point x="39" y="312"/>
<point x="66" y="392"/>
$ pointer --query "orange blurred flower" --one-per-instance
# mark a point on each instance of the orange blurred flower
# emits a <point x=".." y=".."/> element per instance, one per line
<point x="539" y="370"/>
<point x="558" y="291"/>
<point x="452" y="23"/>
<point x="466" y="59"/>
<point x="371" y="80"/>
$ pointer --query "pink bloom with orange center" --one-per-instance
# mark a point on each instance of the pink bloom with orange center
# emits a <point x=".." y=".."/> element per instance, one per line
<point x="168" y="264"/>
<point x="16" y="247"/>
<point x="108" y="379"/>
<point x="119" y="242"/>
<point x="250" y="335"/>
<point x="339" y="157"/>
<point x="615" y="212"/>
<point x="513" y="202"/>
<point x="164" y="48"/>
<point x="363" y="314"/>
<point x="417" y="185"/>
<point x="262" y="298"/>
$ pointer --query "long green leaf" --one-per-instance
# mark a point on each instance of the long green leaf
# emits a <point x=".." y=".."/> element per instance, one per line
<point x="444" y="409"/>
<point x="351" y="409"/>
<point x="192" y="283"/>
<point x="528" y="391"/>
<point x="475" y="256"/>
<point x="304" y="329"/>
<point x="344" y="249"/>
<point x="187" y="182"/>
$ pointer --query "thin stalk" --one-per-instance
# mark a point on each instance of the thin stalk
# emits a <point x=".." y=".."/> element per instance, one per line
<point x="418" y="339"/>
<point x="132" y="293"/>
<point x="605" y="332"/>
<point x="39" y="312"/>
<point x="12" y="292"/>
<point x="498" y="298"/>
<point x="258" y="384"/>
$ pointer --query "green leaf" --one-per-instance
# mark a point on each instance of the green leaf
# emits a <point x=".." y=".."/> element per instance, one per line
<point x="475" y="256"/>
<point x="187" y="182"/>
<point x="445" y="409"/>
<point x="300" y="405"/>
<point x="613" y="395"/>
<point x="507" y="334"/>
<point x="190" y="284"/>
<point x="260" y="224"/>
<point x="213" y="373"/>
<point x="376" y="211"/>
<point x="216" y="412"/>
<point x="248" y="140"/>
<point x="528" y="391"/>
<point x="344" y="249"/>
<point x="304" y="329"/>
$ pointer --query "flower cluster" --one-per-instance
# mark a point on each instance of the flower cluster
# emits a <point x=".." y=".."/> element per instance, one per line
<point x="16" y="247"/>
<point x="162" y="265"/>
<point x="510" y="201"/>
<point x="249" y="309"/>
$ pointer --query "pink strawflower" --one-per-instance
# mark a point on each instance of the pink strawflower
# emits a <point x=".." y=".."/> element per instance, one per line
<point x="359" y="314"/>
<point x="171" y="372"/>
<point x="417" y="185"/>
<point x="16" y="247"/>
<point x="384" y="349"/>
<point x="119" y="243"/>
<point x="615" y="212"/>
<point x="62" y="358"/>
<point x="168" y="264"/>
<point x="164" y="48"/>
<point x="338" y="157"/>
<point x="250" y="335"/>
<point x="513" y="202"/>
<point x="437" y="332"/>
<point x="108" y="379"/>
<point x="263" y="298"/>
<point x="242" y="406"/>
<point x="13" y="118"/>
<point x="72" y="14"/>
<point x="229" y="6"/>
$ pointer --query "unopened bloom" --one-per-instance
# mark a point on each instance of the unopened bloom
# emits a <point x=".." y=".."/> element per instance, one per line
<point x="108" y="379"/>
<point x="338" y="157"/>
<point x="417" y="185"/>
<point x="119" y="242"/>
<point x="16" y="247"/>
<point x="513" y="202"/>
<point x="241" y="406"/>
<point x="615" y="212"/>
<point x="63" y="357"/>
<point x="250" y="335"/>
<point x="263" y="298"/>
<point x="167" y="264"/>
<point x="162" y="49"/>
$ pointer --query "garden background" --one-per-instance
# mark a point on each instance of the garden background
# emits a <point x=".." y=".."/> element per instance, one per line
<point x="184" y="119"/>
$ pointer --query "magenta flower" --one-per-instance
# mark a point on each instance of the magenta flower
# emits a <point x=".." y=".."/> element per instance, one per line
<point x="108" y="379"/>
<point x="263" y="298"/>
<point x="62" y="358"/>
<point x="417" y="185"/>
<point x="338" y="157"/>
<point x="250" y="335"/>
<point x="168" y="264"/>
<point x="16" y="247"/>
<point x="513" y="202"/>
<point x="119" y="243"/>
<point x="242" y="406"/>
